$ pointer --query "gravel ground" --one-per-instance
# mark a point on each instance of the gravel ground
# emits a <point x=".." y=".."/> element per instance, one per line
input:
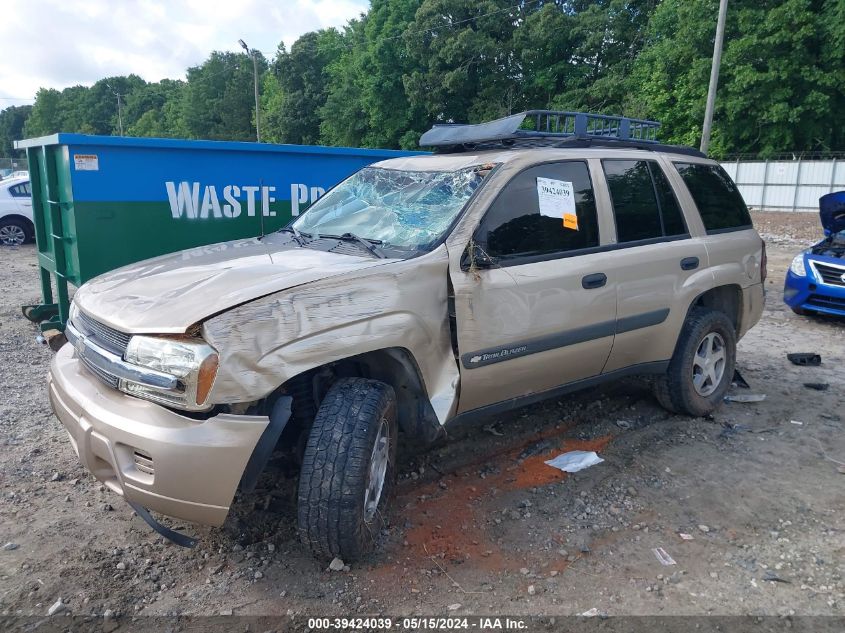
<point x="480" y="524"/>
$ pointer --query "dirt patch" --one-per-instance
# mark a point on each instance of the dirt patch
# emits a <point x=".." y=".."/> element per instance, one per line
<point x="448" y="519"/>
<point x="788" y="229"/>
<point x="534" y="471"/>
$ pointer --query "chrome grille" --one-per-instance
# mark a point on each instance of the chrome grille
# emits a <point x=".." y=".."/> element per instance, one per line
<point x="830" y="275"/>
<point x="105" y="336"/>
<point x="111" y="381"/>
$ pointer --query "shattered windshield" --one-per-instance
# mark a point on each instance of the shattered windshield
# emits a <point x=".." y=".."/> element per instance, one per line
<point x="403" y="209"/>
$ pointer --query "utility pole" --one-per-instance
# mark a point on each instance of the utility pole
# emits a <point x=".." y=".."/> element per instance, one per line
<point x="714" y="76"/>
<point x="119" y="116"/>
<point x="251" y="53"/>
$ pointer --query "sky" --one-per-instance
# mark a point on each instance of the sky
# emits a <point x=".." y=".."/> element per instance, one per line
<point x="61" y="43"/>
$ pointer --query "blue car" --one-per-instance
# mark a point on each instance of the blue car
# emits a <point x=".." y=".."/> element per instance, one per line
<point x="815" y="282"/>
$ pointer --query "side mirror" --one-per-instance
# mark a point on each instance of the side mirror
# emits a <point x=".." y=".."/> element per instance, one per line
<point x="476" y="258"/>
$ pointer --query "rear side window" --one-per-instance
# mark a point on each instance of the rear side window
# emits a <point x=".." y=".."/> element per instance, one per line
<point x="514" y="226"/>
<point x="20" y="191"/>
<point x="644" y="205"/>
<point x="670" y="210"/>
<point x="718" y="200"/>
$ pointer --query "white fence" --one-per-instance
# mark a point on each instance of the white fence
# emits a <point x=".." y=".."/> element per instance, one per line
<point x="781" y="185"/>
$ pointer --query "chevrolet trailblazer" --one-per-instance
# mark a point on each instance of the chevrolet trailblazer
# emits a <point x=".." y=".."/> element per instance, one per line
<point x="526" y="258"/>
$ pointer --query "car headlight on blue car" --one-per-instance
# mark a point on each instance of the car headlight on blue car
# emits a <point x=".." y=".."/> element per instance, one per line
<point x="797" y="266"/>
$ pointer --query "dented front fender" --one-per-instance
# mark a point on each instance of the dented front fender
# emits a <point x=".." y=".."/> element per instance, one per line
<point x="402" y="304"/>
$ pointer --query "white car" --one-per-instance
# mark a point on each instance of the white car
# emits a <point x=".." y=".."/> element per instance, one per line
<point x="16" y="225"/>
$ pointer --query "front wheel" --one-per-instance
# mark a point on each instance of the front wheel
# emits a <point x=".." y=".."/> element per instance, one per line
<point x="15" y="231"/>
<point x="701" y="369"/>
<point x="348" y="469"/>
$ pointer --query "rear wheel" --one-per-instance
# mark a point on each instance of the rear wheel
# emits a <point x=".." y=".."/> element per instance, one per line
<point x="15" y="231"/>
<point x="348" y="469"/>
<point x="701" y="369"/>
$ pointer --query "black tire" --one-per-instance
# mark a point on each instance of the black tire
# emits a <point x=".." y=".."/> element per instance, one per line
<point x="23" y="226"/>
<point x="675" y="391"/>
<point x="660" y="389"/>
<point x="802" y="312"/>
<point x="332" y="518"/>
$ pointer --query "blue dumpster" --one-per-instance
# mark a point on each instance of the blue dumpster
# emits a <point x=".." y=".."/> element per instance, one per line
<point x="100" y="202"/>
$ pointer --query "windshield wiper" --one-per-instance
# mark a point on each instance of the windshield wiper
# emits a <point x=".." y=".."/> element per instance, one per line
<point x="297" y="235"/>
<point x="365" y="242"/>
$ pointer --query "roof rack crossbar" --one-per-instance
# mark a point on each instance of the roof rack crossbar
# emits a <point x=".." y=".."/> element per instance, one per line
<point x="543" y="124"/>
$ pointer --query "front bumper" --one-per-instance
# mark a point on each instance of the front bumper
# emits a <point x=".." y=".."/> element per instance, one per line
<point x="809" y="293"/>
<point x="164" y="461"/>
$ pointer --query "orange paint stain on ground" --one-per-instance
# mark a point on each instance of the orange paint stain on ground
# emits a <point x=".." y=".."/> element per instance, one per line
<point x="534" y="471"/>
<point x="446" y="525"/>
<point x="451" y="525"/>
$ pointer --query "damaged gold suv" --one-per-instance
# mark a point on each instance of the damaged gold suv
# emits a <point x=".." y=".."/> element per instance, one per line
<point x="526" y="258"/>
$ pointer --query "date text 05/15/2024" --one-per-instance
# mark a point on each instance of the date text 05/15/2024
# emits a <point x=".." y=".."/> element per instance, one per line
<point x="418" y="623"/>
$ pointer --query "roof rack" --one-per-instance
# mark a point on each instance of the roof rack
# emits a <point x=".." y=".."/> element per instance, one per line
<point x="548" y="128"/>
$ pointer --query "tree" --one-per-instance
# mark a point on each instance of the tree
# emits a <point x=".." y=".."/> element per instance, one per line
<point x="101" y="103"/>
<point x="302" y="76"/>
<point x="12" y="120"/>
<point x="154" y="110"/>
<point x="404" y="64"/>
<point x="545" y="47"/>
<point x="343" y="120"/>
<point x="464" y="65"/>
<point x="272" y="109"/>
<point x="781" y="81"/>
<point x="607" y="36"/>
<point x="218" y="100"/>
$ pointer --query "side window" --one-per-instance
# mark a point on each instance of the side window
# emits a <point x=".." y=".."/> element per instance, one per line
<point x="515" y="227"/>
<point x="644" y="205"/>
<point x="718" y="200"/>
<point x="20" y="191"/>
<point x="670" y="210"/>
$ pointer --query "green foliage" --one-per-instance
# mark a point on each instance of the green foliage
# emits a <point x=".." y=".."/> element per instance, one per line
<point x="218" y="101"/>
<point x="301" y="75"/>
<point x="12" y="121"/>
<point x="781" y="81"/>
<point x="405" y="64"/>
<point x="367" y="103"/>
<point x="154" y="110"/>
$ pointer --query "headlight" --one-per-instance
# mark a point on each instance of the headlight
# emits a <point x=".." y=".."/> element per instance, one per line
<point x="797" y="266"/>
<point x="191" y="360"/>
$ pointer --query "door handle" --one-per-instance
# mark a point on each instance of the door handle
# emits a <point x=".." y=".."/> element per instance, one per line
<point x="596" y="280"/>
<point x="689" y="263"/>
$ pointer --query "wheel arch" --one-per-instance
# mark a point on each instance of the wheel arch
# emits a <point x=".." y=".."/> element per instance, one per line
<point x="726" y="298"/>
<point x="395" y="366"/>
<point x="23" y="218"/>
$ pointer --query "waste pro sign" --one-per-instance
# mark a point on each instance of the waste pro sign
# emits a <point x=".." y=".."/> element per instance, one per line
<point x="128" y="199"/>
<point x="185" y="200"/>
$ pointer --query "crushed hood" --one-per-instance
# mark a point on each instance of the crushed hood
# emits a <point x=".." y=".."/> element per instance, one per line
<point x="168" y="294"/>
<point x="832" y="212"/>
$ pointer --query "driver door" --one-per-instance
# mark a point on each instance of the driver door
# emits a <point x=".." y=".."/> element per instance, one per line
<point x="542" y="312"/>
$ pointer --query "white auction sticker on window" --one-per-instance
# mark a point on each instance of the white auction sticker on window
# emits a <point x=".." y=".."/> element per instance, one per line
<point x="557" y="200"/>
<point x="86" y="162"/>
